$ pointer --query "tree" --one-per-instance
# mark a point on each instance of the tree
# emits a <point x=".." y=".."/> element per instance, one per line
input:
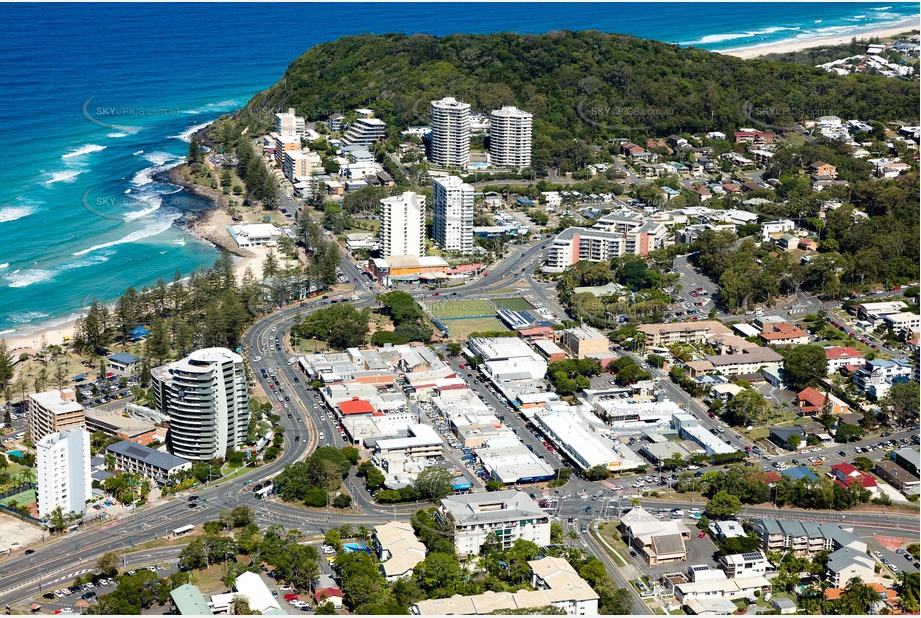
<point x="326" y="609"/>
<point x="6" y="365"/>
<point x="434" y="483"/>
<point x="57" y="519"/>
<point x="864" y="464"/>
<point x="724" y="506"/>
<point x="805" y="365"/>
<point x="439" y="574"/>
<point x="795" y="440"/>
<point x="107" y="564"/>
<point x="747" y="408"/>
<point x="902" y="402"/>
<point x="847" y="432"/>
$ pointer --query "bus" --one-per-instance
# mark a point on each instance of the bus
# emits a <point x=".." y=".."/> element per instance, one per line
<point x="183" y="530"/>
<point x="265" y="491"/>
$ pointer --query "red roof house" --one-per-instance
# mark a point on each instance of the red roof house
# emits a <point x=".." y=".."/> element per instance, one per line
<point x="811" y="401"/>
<point x="845" y="474"/>
<point x="333" y="595"/>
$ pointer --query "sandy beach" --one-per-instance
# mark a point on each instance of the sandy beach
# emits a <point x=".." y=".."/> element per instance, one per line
<point x="782" y="47"/>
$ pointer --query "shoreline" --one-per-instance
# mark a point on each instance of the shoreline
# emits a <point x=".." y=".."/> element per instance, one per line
<point x="794" y="45"/>
<point x="208" y="225"/>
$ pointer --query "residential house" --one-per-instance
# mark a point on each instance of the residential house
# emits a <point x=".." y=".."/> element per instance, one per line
<point x="787" y="242"/>
<point x="749" y="564"/>
<point x="813" y="402"/>
<point x="783" y="437"/>
<point x="821" y="169"/>
<point x="808" y="244"/>
<point x="846" y="474"/>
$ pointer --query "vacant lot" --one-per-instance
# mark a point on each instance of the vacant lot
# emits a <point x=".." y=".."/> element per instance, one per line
<point x="460" y="308"/>
<point x="461" y="329"/>
<point x="513" y="304"/>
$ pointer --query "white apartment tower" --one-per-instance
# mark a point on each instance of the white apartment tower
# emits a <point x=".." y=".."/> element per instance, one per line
<point x="450" y="140"/>
<point x="403" y="225"/>
<point x="205" y="397"/>
<point x="510" y="137"/>
<point x="453" y="220"/>
<point x="63" y="462"/>
<point x="289" y="125"/>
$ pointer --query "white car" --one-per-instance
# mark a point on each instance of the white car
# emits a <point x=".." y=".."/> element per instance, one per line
<point x="257" y="359"/>
<point x="67" y="610"/>
<point x="59" y="594"/>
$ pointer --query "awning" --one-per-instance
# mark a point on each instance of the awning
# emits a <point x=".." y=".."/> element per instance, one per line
<point x="36" y="607"/>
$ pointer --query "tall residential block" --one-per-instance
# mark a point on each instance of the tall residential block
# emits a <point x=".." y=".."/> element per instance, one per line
<point x="62" y="460"/>
<point x="205" y="397"/>
<point x="453" y="216"/>
<point x="403" y="225"/>
<point x="450" y="139"/>
<point x="510" y="137"/>
<point x="53" y="411"/>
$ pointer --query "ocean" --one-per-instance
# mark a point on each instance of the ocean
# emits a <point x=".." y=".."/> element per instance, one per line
<point x="96" y="99"/>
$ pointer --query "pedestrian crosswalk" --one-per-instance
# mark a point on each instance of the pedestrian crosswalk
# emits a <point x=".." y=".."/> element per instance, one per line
<point x="73" y="575"/>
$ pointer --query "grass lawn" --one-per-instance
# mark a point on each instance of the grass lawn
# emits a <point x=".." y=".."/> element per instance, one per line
<point x="460" y="308"/>
<point x="209" y="580"/>
<point x="609" y="533"/>
<point x="759" y="433"/>
<point x="513" y="304"/>
<point x="461" y="329"/>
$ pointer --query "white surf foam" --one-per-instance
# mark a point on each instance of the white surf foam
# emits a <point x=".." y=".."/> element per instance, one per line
<point x="137" y="152"/>
<point x="154" y="201"/>
<point x="731" y="36"/>
<point x="186" y="136"/>
<point x="159" y="158"/>
<point x="65" y="176"/>
<point x="25" y="278"/>
<point x="83" y="150"/>
<point x="117" y="135"/>
<point x="11" y="213"/>
<point x="158" y="226"/>
<point x="23" y="317"/>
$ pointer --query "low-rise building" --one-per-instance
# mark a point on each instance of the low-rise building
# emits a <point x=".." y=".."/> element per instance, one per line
<point x="804" y="537"/>
<point x="895" y="475"/>
<point x="508" y="358"/>
<point x="846" y="563"/>
<point x="556" y="584"/>
<point x="658" y="541"/>
<point x="153" y="464"/>
<point x="751" y="360"/>
<point x="664" y="335"/>
<point x="784" y="437"/>
<point x="121" y="426"/>
<point x="907" y="459"/>
<point x="421" y="441"/>
<point x="749" y="564"/>
<point x="124" y="363"/>
<point x="255" y="234"/>
<point x="785" y="333"/>
<point x="502" y="515"/>
<point x="250" y="586"/>
<point x="188" y="600"/>
<point x="549" y="350"/>
<point x="398" y="549"/>
<point x="876" y="311"/>
<point x="583" y="437"/>
<point x="839" y="357"/>
<point x="585" y="342"/>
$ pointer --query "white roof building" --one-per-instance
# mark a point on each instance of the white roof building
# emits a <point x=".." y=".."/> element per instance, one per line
<point x="260" y="598"/>
<point x="579" y="434"/>
<point x="508" y="358"/>
<point x="255" y="234"/>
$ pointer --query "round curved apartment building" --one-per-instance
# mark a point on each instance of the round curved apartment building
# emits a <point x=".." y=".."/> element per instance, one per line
<point x="206" y="399"/>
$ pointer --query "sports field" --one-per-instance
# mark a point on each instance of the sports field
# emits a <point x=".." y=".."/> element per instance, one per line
<point x="460" y="308"/>
<point x="513" y="304"/>
<point x="21" y="499"/>
<point x="461" y="329"/>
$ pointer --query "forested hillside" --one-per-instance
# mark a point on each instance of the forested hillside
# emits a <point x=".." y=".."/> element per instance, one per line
<point x="586" y="85"/>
